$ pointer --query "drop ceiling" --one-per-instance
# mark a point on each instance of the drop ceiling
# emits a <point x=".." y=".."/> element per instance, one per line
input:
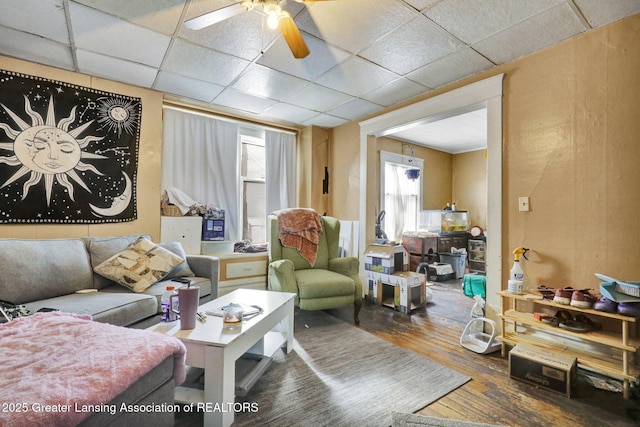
<point x="366" y="55"/>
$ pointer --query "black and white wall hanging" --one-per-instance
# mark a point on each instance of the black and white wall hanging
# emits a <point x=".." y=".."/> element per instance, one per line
<point x="68" y="154"/>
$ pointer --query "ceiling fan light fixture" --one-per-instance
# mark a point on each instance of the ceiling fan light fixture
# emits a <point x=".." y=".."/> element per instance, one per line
<point x="274" y="13"/>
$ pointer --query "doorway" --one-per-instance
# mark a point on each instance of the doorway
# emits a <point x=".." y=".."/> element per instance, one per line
<point x="488" y="91"/>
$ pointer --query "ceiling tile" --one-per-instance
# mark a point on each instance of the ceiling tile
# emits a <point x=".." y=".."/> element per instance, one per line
<point x="288" y="112"/>
<point x="241" y="101"/>
<point x="395" y="91"/>
<point x="456" y="134"/>
<point x="353" y="24"/>
<point x="36" y="49"/>
<point x="44" y="18"/>
<point x="242" y="35"/>
<point x="321" y="58"/>
<point x="543" y="30"/>
<point x="472" y="21"/>
<point x="101" y="33"/>
<point x="325" y="120"/>
<point x="354" y="109"/>
<point x="411" y="46"/>
<point x="317" y="98"/>
<point x="187" y="87"/>
<point x="465" y="62"/>
<point x="200" y="7"/>
<point x="159" y="15"/>
<point x="599" y="13"/>
<point x="268" y="83"/>
<point x="115" y="69"/>
<point x="356" y="77"/>
<point x="203" y="64"/>
<point x="421" y="4"/>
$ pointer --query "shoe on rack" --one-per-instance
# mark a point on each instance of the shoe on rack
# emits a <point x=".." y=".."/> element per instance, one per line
<point x="605" y="304"/>
<point x="582" y="299"/>
<point x="546" y="292"/>
<point x="563" y="296"/>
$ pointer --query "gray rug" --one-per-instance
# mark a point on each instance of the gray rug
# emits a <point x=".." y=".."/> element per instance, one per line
<point x="340" y="375"/>
<point x="414" y="420"/>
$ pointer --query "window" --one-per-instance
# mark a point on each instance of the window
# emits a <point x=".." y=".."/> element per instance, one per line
<point x="252" y="171"/>
<point x="248" y="171"/>
<point x="401" y="197"/>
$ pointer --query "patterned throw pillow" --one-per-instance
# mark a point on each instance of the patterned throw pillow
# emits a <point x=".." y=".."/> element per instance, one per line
<point x="140" y="265"/>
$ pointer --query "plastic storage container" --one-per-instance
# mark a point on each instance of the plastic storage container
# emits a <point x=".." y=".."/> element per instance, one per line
<point x="457" y="261"/>
<point x="166" y="314"/>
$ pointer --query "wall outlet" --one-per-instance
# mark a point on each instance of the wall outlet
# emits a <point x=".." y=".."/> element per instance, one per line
<point x="523" y="204"/>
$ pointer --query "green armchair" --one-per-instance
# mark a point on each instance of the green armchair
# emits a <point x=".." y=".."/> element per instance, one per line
<point x="331" y="283"/>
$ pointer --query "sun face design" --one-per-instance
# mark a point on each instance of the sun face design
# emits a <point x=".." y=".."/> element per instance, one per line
<point x="117" y="115"/>
<point x="48" y="150"/>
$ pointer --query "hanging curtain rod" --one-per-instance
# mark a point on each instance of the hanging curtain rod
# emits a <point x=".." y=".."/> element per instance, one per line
<point x="201" y="111"/>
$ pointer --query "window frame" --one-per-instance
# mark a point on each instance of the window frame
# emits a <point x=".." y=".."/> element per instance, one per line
<point x="401" y="159"/>
<point x="253" y="140"/>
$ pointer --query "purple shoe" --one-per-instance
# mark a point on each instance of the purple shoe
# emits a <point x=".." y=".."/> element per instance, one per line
<point x="631" y="309"/>
<point x="605" y="304"/>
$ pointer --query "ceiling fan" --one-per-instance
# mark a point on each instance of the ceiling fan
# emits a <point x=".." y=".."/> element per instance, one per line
<point x="276" y="18"/>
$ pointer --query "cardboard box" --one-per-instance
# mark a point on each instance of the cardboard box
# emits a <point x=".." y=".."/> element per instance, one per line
<point x="547" y="369"/>
<point x="387" y="259"/>
<point x="406" y="289"/>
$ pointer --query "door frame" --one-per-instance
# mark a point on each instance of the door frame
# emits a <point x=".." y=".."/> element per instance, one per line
<point x="487" y="91"/>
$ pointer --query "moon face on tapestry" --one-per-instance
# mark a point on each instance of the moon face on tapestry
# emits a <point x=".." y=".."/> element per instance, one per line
<point x="68" y="154"/>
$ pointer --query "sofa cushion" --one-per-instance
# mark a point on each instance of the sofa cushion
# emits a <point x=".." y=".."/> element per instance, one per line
<point x="102" y="248"/>
<point x="182" y="269"/>
<point x="122" y="309"/>
<point x="25" y="277"/>
<point x="315" y="283"/>
<point x="140" y="265"/>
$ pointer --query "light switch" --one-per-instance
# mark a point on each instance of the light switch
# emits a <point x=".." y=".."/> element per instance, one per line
<point x="523" y="204"/>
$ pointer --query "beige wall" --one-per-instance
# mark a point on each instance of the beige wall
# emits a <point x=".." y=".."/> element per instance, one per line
<point x="469" y="185"/>
<point x="344" y="164"/>
<point x="149" y="161"/>
<point x="570" y="143"/>
<point x="312" y="157"/>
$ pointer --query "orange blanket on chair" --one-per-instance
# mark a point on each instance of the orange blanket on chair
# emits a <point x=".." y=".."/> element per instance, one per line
<point x="300" y="228"/>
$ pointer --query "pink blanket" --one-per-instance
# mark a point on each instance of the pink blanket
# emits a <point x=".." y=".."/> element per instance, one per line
<point x="67" y="361"/>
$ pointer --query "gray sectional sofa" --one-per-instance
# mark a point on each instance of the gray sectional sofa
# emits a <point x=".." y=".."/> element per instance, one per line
<point x="54" y="273"/>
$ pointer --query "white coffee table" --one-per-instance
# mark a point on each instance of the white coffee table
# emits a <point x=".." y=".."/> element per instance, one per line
<point x="215" y="348"/>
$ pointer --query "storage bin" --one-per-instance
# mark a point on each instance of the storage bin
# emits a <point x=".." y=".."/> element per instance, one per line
<point x="457" y="261"/>
<point x="475" y="284"/>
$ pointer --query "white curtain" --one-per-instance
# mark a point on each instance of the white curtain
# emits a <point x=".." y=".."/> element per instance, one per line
<point x="280" y="152"/>
<point x="401" y="202"/>
<point x="200" y="157"/>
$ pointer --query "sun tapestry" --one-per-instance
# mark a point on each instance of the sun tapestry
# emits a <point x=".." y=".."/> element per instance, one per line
<point x="68" y="154"/>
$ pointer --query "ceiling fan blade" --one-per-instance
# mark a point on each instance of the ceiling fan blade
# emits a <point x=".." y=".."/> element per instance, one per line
<point x="292" y="36"/>
<point x="216" y="16"/>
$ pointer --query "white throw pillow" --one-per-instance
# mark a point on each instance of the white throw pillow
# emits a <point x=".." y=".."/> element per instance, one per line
<point x="139" y="266"/>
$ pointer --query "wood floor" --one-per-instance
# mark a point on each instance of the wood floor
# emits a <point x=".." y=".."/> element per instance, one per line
<point x="491" y="396"/>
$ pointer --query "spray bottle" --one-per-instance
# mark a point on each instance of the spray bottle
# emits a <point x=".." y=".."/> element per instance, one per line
<point x="516" y="276"/>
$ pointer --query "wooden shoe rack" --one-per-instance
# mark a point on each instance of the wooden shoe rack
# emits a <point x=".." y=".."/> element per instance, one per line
<point x="609" y="351"/>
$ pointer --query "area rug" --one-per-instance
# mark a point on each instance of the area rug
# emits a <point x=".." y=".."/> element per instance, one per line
<point x="340" y="375"/>
<point x="414" y="420"/>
